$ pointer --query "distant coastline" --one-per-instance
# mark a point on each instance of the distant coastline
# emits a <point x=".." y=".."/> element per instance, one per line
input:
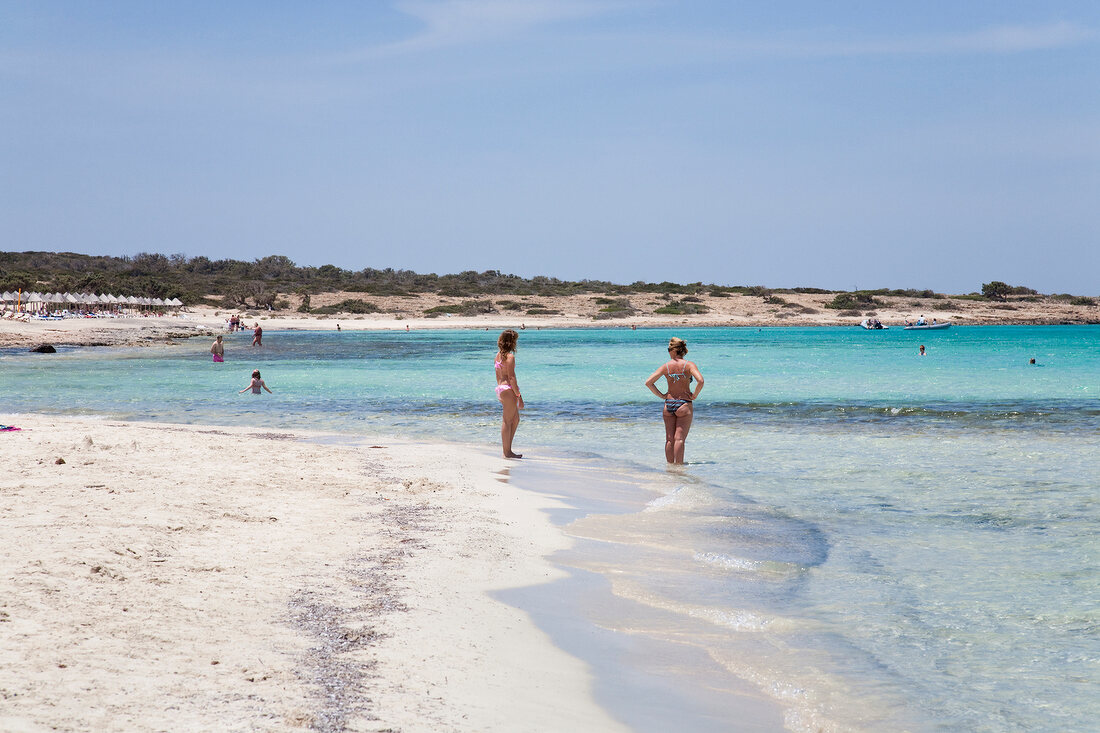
<point x="279" y="294"/>
<point x="435" y="311"/>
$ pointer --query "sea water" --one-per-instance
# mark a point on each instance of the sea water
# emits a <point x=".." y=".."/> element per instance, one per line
<point x="872" y="539"/>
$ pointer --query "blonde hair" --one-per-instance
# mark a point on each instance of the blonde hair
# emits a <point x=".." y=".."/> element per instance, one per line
<point x="507" y="341"/>
<point x="678" y="346"/>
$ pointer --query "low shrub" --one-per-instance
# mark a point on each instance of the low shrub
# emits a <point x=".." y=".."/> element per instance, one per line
<point x="1082" y="300"/>
<point x="680" y="308"/>
<point x="350" y="305"/>
<point x="617" y="308"/>
<point x="852" y="301"/>
<point x="465" y="308"/>
<point x="542" y="312"/>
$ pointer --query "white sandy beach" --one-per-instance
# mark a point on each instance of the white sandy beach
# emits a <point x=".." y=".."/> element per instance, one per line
<point x="181" y="578"/>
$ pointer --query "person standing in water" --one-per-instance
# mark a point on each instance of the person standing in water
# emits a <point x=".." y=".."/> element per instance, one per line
<point x="508" y="390"/>
<point x="678" y="409"/>
<point x="257" y="335"/>
<point x="256" y="384"/>
<point x="218" y="350"/>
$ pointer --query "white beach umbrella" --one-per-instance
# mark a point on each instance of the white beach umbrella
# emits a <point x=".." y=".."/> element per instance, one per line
<point x="158" y="301"/>
<point x="5" y="297"/>
<point x="175" y="302"/>
<point x="70" y="298"/>
<point x="132" y="300"/>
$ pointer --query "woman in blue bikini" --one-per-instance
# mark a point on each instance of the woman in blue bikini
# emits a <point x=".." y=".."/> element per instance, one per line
<point x="508" y="390"/>
<point x="678" y="410"/>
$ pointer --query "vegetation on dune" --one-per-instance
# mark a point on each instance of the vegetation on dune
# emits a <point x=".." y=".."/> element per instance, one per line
<point x="260" y="284"/>
<point x="465" y="308"/>
<point x="854" y="301"/>
<point x="681" y="308"/>
<point x="351" y="305"/>
<point x="614" y="308"/>
<point x="997" y="290"/>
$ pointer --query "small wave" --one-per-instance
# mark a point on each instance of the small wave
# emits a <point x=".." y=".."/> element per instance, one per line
<point x="663" y="502"/>
<point x="736" y="620"/>
<point x="727" y="561"/>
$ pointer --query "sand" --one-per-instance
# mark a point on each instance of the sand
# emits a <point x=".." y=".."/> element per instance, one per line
<point x="167" y="577"/>
<point x="577" y="311"/>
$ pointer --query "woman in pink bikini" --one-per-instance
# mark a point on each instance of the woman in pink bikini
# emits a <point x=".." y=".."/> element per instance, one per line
<point x="508" y="389"/>
<point x="678" y="409"/>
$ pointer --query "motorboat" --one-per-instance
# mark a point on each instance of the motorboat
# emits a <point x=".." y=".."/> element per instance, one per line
<point x="872" y="324"/>
<point x="928" y="326"/>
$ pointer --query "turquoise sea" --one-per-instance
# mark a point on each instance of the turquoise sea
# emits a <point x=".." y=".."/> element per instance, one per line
<point x="869" y="539"/>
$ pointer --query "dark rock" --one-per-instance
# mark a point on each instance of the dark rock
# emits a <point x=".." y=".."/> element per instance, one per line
<point x="44" y="349"/>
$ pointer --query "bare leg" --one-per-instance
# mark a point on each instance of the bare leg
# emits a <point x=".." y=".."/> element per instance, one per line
<point x="683" y="417"/>
<point x="670" y="434"/>
<point x="509" y="423"/>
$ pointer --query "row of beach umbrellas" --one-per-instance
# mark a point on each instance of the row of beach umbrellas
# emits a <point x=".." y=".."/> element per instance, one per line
<point x="80" y="299"/>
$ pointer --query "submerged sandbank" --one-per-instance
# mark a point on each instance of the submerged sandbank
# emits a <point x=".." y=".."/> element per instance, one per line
<point x="199" y="578"/>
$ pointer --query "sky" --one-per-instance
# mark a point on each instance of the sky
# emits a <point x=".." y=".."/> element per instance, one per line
<point x="842" y="144"/>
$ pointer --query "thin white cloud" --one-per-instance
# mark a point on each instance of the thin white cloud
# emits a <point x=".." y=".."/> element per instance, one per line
<point x="994" y="40"/>
<point x="458" y="22"/>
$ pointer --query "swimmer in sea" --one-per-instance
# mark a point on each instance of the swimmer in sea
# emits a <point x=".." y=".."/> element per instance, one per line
<point x="218" y="350"/>
<point x="256" y="384"/>
<point x="678" y="410"/>
<point x="508" y="390"/>
<point x="922" y="350"/>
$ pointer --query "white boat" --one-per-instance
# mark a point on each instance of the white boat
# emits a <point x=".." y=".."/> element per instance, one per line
<point x="928" y="326"/>
<point x="873" y="325"/>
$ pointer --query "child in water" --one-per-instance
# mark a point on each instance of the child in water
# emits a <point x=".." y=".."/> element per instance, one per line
<point x="256" y="384"/>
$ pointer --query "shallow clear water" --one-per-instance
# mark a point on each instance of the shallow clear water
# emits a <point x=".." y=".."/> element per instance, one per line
<point x="877" y="540"/>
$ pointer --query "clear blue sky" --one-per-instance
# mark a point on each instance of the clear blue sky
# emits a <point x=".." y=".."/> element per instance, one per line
<point x="833" y="144"/>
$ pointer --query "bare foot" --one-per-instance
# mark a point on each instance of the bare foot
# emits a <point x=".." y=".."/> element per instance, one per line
<point x="513" y="455"/>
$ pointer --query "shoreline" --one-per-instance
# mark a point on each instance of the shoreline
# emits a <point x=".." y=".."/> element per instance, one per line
<point x="179" y="578"/>
<point x="564" y="312"/>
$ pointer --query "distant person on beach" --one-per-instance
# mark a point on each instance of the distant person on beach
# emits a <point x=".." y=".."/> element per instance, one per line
<point x="678" y="409"/>
<point x="218" y="350"/>
<point x="508" y="390"/>
<point x="256" y="384"/>
<point x="257" y="335"/>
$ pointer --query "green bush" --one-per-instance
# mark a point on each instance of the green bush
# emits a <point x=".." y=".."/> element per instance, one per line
<point x="858" y="300"/>
<point x="618" y="308"/>
<point x="680" y="308"/>
<point x="350" y="305"/>
<point x="543" y="312"/>
<point x="465" y="308"/>
<point x="1082" y="300"/>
